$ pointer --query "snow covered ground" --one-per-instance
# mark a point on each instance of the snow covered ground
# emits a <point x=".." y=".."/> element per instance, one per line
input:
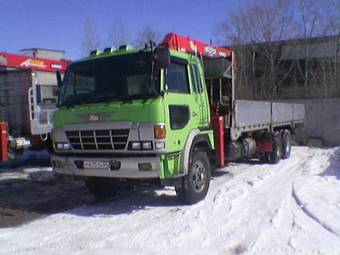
<point x="289" y="208"/>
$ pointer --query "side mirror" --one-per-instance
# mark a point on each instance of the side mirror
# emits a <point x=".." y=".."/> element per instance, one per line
<point x="59" y="79"/>
<point x="161" y="56"/>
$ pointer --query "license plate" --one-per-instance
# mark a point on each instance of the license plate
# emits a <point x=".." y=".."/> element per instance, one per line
<point x="96" y="165"/>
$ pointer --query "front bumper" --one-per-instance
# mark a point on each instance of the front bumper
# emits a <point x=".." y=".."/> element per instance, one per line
<point x="129" y="167"/>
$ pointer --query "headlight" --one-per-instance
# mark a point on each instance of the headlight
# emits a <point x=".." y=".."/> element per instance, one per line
<point x="62" y="146"/>
<point x="135" y="145"/>
<point x="144" y="145"/>
<point x="147" y="145"/>
<point x="67" y="146"/>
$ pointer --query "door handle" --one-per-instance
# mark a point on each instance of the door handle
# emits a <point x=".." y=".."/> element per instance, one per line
<point x="194" y="114"/>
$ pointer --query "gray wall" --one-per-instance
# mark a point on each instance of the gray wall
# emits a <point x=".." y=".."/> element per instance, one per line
<point x="322" y="120"/>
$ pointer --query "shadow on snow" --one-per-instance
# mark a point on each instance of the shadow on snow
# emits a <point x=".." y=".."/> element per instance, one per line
<point x="334" y="168"/>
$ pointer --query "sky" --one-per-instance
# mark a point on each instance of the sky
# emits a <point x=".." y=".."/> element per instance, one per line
<point x="60" y="24"/>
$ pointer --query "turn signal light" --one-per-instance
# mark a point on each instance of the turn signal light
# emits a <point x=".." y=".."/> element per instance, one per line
<point x="160" y="131"/>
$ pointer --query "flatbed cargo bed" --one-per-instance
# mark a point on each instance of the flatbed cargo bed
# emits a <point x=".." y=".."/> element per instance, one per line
<point x="257" y="115"/>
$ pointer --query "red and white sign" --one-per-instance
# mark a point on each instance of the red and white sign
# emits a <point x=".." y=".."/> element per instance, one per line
<point x="27" y="62"/>
<point x="33" y="63"/>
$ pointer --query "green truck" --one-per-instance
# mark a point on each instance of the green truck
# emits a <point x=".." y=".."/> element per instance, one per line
<point x="163" y="113"/>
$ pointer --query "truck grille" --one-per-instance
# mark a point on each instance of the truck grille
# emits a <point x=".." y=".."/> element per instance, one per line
<point x="115" y="139"/>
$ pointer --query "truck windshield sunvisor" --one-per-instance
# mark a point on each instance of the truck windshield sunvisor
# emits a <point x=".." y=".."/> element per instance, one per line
<point x="110" y="79"/>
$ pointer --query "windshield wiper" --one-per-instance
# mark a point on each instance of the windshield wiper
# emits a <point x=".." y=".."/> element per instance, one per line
<point x="100" y="99"/>
<point x="106" y="99"/>
<point x="141" y="96"/>
<point x="76" y="101"/>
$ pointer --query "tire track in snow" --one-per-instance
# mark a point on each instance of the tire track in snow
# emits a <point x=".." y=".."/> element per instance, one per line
<point x="306" y="230"/>
<point x="254" y="211"/>
<point x="310" y="214"/>
<point x="88" y="234"/>
<point x="298" y="227"/>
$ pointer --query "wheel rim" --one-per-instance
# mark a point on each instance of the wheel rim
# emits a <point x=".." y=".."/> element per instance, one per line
<point x="199" y="176"/>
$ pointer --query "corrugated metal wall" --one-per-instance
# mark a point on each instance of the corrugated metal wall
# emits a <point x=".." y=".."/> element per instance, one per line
<point x="322" y="120"/>
<point x="14" y="100"/>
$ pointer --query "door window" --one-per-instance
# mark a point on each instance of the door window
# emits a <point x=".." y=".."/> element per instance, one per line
<point x="179" y="116"/>
<point x="177" y="78"/>
<point x="198" y="78"/>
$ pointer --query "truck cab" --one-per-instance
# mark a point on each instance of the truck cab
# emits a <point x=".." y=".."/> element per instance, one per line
<point x="135" y="114"/>
<point x="28" y="96"/>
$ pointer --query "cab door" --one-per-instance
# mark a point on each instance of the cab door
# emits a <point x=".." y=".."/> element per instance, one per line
<point x="181" y="111"/>
<point x="200" y="94"/>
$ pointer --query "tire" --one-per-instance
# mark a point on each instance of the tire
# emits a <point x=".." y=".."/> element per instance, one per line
<point x="275" y="156"/>
<point x="286" y="144"/>
<point x="49" y="146"/>
<point x="11" y="154"/>
<point x="264" y="157"/>
<point x="102" y="187"/>
<point x="196" y="183"/>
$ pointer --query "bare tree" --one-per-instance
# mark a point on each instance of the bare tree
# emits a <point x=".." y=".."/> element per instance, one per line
<point x="146" y="35"/>
<point x="318" y="18"/>
<point x="254" y="29"/>
<point x="90" y="40"/>
<point x="117" y="34"/>
<point x="257" y="22"/>
<point x="264" y="34"/>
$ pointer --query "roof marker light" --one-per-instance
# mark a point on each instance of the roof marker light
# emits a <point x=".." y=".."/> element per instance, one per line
<point x="95" y="52"/>
<point x="110" y="50"/>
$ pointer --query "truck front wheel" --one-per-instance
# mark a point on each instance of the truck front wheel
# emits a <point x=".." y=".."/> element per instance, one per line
<point x="196" y="183"/>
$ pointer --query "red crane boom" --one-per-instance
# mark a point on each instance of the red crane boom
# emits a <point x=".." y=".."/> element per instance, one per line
<point x="185" y="44"/>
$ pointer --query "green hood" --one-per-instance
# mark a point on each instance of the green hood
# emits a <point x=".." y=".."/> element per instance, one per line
<point x="141" y="111"/>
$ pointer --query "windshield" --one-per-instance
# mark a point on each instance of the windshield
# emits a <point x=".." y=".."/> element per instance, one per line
<point x="109" y="79"/>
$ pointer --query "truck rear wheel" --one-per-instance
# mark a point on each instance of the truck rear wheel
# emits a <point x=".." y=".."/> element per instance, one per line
<point x="286" y="144"/>
<point x="275" y="156"/>
<point x="103" y="187"/>
<point x="264" y="157"/>
<point x="196" y="183"/>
